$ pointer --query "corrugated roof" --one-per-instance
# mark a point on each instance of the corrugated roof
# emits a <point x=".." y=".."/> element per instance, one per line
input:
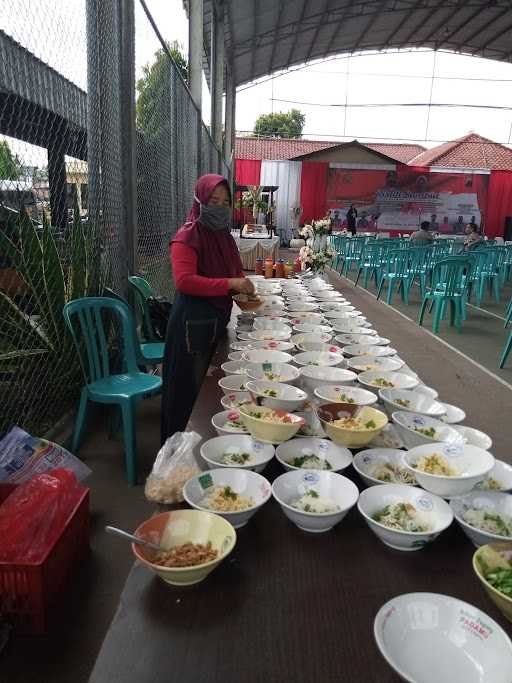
<point x="470" y="151"/>
<point x="285" y="148"/>
<point x="265" y="36"/>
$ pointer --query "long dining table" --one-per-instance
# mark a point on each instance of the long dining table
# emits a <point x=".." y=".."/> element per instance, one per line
<point x="286" y="606"/>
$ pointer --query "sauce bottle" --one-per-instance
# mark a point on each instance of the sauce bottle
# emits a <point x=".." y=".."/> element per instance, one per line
<point x="269" y="268"/>
<point x="280" y="268"/>
<point x="259" y="266"/>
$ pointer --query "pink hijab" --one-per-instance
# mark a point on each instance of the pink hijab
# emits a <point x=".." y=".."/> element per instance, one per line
<point x="217" y="253"/>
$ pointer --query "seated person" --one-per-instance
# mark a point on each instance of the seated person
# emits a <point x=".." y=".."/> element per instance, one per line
<point x="473" y="237"/>
<point x="423" y="234"/>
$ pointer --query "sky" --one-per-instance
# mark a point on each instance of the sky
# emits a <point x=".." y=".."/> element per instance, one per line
<point x="54" y="30"/>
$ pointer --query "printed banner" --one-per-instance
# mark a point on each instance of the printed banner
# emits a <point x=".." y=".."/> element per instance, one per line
<point x="402" y="199"/>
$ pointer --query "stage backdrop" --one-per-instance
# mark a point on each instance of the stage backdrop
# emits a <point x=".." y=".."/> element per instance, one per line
<point x="401" y="199"/>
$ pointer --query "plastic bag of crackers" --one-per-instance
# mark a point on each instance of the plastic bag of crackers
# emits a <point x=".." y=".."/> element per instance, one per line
<point x="174" y="465"/>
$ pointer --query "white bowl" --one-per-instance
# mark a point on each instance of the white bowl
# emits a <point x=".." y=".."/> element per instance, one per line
<point x="418" y="403"/>
<point x="313" y="376"/>
<point x="342" y="315"/>
<point x="234" y="367"/>
<point x="219" y="423"/>
<point x="335" y="393"/>
<point x="428" y="391"/>
<point x="302" y="306"/>
<point x="312" y="427"/>
<point x="328" y="295"/>
<point x="269" y="311"/>
<point x="271" y="323"/>
<point x="243" y="482"/>
<point x="501" y="476"/>
<point x="433" y="638"/>
<point x="233" y="400"/>
<point x="311" y="327"/>
<point x="474" y="437"/>
<point x="235" y="355"/>
<point x="233" y="383"/>
<point x="398" y="379"/>
<point x="273" y="372"/>
<point x="369" y="363"/>
<point x="351" y="327"/>
<point x="409" y="424"/>
<point x="319" y="347"/>
<point x="266" y="356"/>
<point x="282" y="334"/>
<point x="241" y="345"/>
<point x="300" y="298"/>
<point x="338" y="457"/>
<point x="318" y="337"/>
<point x="433" y="512"/>
<point x="369" y="350"/>
<point x="272" y="300"/>
<point x="341" y="305"/>
<point x="320" y="359"/>
<point x="366" y="462"/>
<point x="277" y="395"/>
<point x="214" y="450"/>
<point x="453" y="414"/>
<point x="495" y="502"/>
<point x="269" y="345"/>
<point x="471" y="463"/>
<point x="292" y="485"/>
<point x="299" y="317"/>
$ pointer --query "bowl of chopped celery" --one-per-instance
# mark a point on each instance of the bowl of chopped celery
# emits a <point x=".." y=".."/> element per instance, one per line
<point x="448" y="469"/>
<point x="484" y="516"/>
<point x="233" y="493"/>
<point x="410" y="401"/>
<point x="492" y="563"/>
<point x="417" y="429"/>
<point x="382" y="466"/>
<point x="277" y="395"/>
<point x="374" y="380"/>
<point x="313" y="454"/>
<point x="345" y="394"/>
<point x="237" y="450"/>
<point x="314" y="500"/>
<point x="404" y="517"/>
<point x="351" y="425"/>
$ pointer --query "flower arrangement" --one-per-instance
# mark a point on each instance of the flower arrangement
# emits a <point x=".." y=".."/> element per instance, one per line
<point x="315" y="229"/>
<point x="316" y="260"/>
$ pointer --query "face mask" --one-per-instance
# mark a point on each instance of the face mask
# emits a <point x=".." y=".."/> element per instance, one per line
<point x="214" y="216"/>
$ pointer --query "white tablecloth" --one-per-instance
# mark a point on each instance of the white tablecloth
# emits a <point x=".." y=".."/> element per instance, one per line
<point x="257" y="247"/>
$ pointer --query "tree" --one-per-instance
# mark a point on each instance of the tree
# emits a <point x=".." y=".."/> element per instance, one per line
<point x="9" y="164"/>
<point x="280" y="125"/>
<point x="153" y="88"/>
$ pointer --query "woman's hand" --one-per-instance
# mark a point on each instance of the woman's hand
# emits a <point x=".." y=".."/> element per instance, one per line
<point x="241" y="285"/>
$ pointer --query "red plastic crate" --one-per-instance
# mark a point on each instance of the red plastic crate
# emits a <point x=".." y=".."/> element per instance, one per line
<point x="28" y="590"/>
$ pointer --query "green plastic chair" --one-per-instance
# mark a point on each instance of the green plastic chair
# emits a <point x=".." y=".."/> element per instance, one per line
<point x="506" y="350"/>
<point x="508" y="312"/>
<point x="89" y="321"/>
<point x="396" y="270"/>
<point x="148" y="353"/>
<point x="449" y="285"/>
<point x="419" y="264"/>
<point x="492" y="273"/>
<point x="143" y="291"/>
<point x="371" y="261"/>
<point x="353" y="251"/>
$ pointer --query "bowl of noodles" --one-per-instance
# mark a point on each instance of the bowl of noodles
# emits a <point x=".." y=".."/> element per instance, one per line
<point x="194" y="543"/>
<point x="268" y="424"/>
<point x="234" y="494"/>
<point x="351" y="425"/>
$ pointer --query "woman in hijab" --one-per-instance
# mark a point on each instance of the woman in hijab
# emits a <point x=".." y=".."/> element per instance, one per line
<point x="207" y="270"/>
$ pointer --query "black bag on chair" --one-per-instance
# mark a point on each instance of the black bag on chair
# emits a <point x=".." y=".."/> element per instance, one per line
<point x="159" y="312"/>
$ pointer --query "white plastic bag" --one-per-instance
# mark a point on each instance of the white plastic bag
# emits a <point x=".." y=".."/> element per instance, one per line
<point x="174" y="465"/>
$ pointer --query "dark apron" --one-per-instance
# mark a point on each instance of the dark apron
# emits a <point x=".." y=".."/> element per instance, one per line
<point x="193" y="331"/>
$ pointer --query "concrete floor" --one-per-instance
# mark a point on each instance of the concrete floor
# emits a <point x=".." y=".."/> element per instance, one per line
<point x="68" y="653"/>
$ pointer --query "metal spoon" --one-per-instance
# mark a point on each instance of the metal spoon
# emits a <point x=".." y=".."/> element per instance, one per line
<point x="135" y="539"/>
